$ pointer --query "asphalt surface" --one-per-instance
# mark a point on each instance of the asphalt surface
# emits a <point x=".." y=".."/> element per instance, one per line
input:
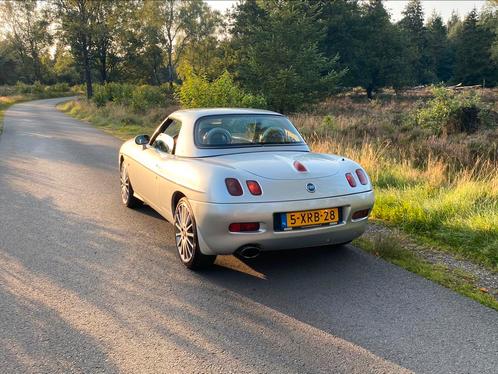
<point x="87" y="285"/>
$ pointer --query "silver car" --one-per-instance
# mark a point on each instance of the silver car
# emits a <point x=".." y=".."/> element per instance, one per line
<point x="243" y="181"/>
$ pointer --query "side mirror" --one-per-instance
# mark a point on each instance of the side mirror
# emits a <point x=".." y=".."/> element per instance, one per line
<point x="142" y="139"/>
<point x="167" y="143"/>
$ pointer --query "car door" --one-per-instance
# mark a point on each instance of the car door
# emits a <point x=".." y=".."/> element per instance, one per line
<point x="163" y="158"/>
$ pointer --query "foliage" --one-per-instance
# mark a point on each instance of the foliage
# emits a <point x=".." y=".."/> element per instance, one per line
<point x="118" y="119"/>
<point x="138" y="97"/>
<point x="28" y="37"/>
<point x="197" y="92"/>
<point x="449" y="112"/>
<point x="383" y="59"/>
<point x="294" y="53"/>
<point x="474" y="64"/>
<point x="276" y="54"/>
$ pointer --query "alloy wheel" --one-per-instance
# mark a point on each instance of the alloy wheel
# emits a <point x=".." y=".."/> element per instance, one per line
<point x="184" y="232"/>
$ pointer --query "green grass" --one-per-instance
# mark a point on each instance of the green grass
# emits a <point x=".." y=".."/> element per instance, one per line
<point x="459" y="217"/>
<point x="390" y="249"/>
<point x="455" y="210"/>
<point x="116" y="119"/>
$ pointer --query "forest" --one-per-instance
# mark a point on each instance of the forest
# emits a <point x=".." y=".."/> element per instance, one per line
<point x="283" y="55"/>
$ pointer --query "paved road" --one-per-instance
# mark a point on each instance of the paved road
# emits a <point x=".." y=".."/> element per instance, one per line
<point x="87" y="285"/>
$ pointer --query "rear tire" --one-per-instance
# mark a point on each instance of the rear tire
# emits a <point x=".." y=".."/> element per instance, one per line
<point x="127" y="194"/>
<point x="186" y="240"/>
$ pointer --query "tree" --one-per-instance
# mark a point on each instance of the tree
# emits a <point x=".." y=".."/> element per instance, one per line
<point x="8" y="64"/>
<point x="413" y="25"/>
<point x="383" y="57"/>
<point x="108" y="21"/>
<point x="344" y="35"/>
<point x="28" y="32"/>
<point x="473" y="64"/>
<point x="439" y="52"/>
<point x="490" y="22"/>
<point x="64" y="65"/>
<point x="77" y="21"/>
<point x="276" y="54"/>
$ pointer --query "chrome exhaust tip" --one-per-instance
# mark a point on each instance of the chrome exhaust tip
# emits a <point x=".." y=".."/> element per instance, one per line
<point x="249" y="251"/>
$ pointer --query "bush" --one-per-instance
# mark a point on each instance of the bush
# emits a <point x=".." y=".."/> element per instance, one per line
<point x="139" y="98"/>
<point x="198" y="92"/>
<point x="37" y="88"/>
<point x="145" y="97"/>
<point x="450" y="112"/>
<point x="57" y="88"/>
<point x="23" y="88"/>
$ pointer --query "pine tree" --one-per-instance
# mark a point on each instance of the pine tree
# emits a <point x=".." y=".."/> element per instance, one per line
<point x="276" y="54"/>
<point x="440" y="55"/>
<point x="473" y="43"/>
<point x="413" y="24"/>
<point x="383" y="57"/>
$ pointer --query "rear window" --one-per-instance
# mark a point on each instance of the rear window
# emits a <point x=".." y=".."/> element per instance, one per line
<point x="236" y="130"/>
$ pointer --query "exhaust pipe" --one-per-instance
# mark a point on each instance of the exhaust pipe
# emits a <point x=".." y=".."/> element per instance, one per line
<point x="249" y="251"/>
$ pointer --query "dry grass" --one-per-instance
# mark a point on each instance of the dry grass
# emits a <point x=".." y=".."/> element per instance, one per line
<point x="444" y="191"/>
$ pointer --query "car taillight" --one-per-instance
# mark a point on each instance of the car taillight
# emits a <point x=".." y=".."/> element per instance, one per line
<point x="254" y="187"/>
<point x="233" y="186"/>
<point x="243" y="227"/>
<point x="362" y="176"/>
<point x="300" y="167"/>
<point x="360" y="214"/>
<point x="351" y="179"/>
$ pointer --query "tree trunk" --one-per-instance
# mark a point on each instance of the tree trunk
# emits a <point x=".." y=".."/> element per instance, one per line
<point x="370" y="92"/>
<point x="103" y="66"/>
<point x="88" y="75"/>
<point x="170" y="68"/>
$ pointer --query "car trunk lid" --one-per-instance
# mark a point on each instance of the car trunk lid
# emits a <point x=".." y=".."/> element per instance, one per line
<point x="284" y="165"/>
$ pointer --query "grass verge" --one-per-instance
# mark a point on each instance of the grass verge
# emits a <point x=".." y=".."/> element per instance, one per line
<point x="116" y="119"/>
<point x="390" y="249"/>
<point x="454" y="210"/>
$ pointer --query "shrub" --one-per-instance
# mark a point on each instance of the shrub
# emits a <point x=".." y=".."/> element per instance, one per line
<point x="57" y="88"/>
<point x="139" y="98"/>
<point x="37" y="88"/>
<point x="329" y="124"/>
<point x="120" y="93"/>
<point x="145" y="97"/>
<point x="197" y="91"/>
<point x="23" y="88"/>
<point x="449" y="112"/>
<point x="99" y="97"/>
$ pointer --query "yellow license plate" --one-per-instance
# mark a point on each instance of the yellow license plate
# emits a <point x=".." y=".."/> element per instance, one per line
<point x="312" y="217"/>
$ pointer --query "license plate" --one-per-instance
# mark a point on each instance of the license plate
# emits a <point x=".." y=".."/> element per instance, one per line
<point x="312" y="217"/>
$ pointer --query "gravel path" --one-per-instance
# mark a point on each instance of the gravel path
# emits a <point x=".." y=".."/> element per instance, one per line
<point x="484" y="278"/>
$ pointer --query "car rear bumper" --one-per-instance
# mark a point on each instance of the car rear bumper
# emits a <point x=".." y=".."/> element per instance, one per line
<point x="213" y="221"/>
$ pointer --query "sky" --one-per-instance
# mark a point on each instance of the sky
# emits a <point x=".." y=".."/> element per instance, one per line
<point x="395" y="7"/>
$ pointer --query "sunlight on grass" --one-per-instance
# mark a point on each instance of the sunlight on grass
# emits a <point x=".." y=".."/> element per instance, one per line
<point x="455" y="210"/>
